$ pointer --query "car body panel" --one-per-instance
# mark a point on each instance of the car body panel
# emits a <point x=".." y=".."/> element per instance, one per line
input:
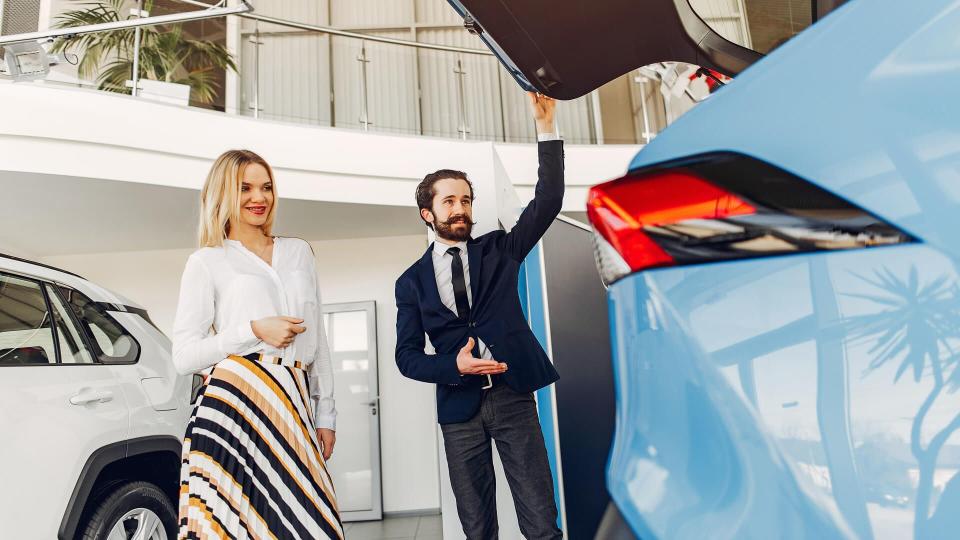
<point x="809" y="395"/>
<point x="761" y="393"/>
<point x="534" y="40"/>
<point x="49" y="440"/>
<point x="866" y="114"/>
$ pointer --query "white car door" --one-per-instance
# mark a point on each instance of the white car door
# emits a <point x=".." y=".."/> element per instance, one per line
<point x="58" y="405"/>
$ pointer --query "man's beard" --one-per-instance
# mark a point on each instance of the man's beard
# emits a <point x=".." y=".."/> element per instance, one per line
<point x="446" y="231"/>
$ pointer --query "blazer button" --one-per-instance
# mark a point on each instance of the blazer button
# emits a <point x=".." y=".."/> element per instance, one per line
<point x="473" y="324"/>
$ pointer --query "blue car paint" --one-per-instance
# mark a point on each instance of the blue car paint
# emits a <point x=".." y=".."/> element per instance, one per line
<point x="809" y="396"/>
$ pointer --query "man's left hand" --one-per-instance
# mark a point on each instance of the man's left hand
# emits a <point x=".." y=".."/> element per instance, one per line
<point x="542" y="107"/>
<point x="327" y="439"/>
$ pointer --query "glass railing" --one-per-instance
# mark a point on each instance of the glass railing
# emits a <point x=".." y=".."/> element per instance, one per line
<point x="442" y="83"/>
<point x="295" y="73"/>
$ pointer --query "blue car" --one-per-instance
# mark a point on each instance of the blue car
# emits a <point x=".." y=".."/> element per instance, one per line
<point x="784" y="291"/>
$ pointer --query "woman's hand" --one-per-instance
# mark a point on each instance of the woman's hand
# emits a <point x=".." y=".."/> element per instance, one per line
<point x="327" y="439"/>
<point x="278" y="332"/>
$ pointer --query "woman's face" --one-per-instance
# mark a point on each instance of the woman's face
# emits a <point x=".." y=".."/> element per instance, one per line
<point x="256" y="195"/>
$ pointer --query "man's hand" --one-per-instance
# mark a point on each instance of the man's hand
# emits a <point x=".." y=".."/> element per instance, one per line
<point x="327" y="439"/>
<point x="278" y="332"/>
<point x="470" y="365"/>
<point x="542" y="107"/>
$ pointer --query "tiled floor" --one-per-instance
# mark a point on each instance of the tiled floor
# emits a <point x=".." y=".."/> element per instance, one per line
<point x="397" y="528"/>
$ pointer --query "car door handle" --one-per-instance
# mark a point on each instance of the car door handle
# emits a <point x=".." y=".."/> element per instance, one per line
<point x="88" y="396"/>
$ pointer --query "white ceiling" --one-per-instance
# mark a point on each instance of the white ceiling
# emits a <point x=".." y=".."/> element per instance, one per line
<point x="49" y="215"/>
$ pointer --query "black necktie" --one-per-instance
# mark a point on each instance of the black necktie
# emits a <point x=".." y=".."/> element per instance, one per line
<point x="459" y="285"/>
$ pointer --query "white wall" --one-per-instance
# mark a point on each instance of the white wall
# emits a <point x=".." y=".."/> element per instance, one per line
<point x="350" y="271"/>
<point x="356" y="270"/>
<point x="80" y="133"/>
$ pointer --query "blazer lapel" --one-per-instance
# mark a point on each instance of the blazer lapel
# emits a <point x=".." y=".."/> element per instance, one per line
<point x="428" y="279"/>
<point x="476" y="262"/>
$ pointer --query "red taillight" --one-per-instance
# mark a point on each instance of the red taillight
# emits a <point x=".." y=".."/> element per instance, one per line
<point x="620" y="211"/>
<point x="718" y="207"/>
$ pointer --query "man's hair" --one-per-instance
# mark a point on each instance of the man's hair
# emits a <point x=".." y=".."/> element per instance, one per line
<point x="426" y="190"/>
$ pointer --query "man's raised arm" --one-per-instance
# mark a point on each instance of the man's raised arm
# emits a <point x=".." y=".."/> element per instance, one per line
<point x="548" y="195"/>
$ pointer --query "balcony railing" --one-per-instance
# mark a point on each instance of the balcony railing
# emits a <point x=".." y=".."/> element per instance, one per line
<point x="296" y="72"/>
<point x="304" y="73"/>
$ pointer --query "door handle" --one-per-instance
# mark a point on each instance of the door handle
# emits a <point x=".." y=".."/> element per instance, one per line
<point x="373" y="405"/>
<point x="87" y="396"/>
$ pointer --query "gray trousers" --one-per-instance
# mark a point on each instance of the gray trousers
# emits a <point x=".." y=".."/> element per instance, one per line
<point x="510" y="419"/>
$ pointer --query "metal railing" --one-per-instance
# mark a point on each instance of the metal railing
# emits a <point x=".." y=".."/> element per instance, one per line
<point x="379" y="83"/>
<point x="297" y="72"/>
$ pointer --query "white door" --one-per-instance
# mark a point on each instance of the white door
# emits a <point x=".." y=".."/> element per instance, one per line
<point x="355" y="466"/>
<point x="57" y="406"/>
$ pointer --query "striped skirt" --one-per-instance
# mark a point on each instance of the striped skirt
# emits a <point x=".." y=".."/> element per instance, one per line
<point x="251" y="464"/>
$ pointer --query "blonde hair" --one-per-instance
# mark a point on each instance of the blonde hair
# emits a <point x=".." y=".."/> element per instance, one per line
<point x="220" y="197"/>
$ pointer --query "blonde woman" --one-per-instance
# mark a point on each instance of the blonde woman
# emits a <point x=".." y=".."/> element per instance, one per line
<point x="255" y="450"/>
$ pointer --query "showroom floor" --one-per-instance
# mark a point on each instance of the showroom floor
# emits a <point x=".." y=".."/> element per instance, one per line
<point x="397" y="528"/>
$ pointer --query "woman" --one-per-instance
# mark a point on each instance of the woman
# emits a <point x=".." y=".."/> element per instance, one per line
<point x="255" y="451"/>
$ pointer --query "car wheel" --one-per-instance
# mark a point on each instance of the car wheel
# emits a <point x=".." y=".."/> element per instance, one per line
<point x="138" y="510"/>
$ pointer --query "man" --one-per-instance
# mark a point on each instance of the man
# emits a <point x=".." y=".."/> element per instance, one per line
<point x="463" y="294"/>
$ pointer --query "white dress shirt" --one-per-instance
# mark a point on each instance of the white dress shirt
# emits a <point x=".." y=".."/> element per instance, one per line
<point x="224" y="288"/>
<point x="443" y="271"/>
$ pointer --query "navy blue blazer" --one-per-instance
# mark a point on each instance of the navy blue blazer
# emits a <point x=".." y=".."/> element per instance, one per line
<point x="495" y="315"/>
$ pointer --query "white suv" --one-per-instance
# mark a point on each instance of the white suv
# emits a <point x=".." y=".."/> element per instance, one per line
<point x="92" y="411"/>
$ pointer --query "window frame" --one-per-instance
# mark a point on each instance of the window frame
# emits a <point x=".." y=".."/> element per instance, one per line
<point x="85" y="333"/>
<point x="54" y="333"/>
<point x="91" y="341"/>
<point x="53" y="324"/>
<point x="87" y="339"/>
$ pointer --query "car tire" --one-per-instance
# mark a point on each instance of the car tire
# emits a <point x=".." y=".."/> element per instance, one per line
<point x="130" y="505"/>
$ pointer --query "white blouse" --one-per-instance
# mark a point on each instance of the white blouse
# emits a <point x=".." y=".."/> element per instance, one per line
<point x="224" y="288"/>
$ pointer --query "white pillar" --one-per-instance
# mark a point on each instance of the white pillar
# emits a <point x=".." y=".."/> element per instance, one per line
<point x="235" y="46"/>
<point x="46" y="15"/>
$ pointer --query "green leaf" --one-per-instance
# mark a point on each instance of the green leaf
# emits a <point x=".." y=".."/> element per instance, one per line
<point x="164" y="55"/>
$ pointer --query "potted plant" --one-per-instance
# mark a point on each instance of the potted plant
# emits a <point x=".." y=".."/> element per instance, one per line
<point x="165" y="54"/>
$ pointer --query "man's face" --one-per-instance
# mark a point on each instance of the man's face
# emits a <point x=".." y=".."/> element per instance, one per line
<point x="452" y="214"/>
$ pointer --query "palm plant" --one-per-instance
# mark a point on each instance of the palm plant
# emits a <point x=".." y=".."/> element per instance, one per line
<point x="918" y="327"/>
<point x="165" y="55"/>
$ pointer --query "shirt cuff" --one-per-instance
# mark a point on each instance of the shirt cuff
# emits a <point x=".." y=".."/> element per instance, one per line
<point x="237" y="341"/>
<point x="246" y="333"/>
<point x="325" y="421"/>
<point x="544" y="137"/>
